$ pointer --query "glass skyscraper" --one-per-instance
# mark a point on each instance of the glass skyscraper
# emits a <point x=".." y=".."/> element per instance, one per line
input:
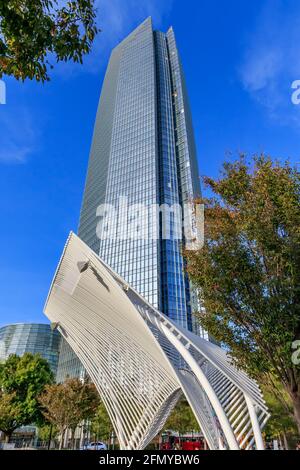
<point x="143" y="149"/>
<point x="35" y="338"/>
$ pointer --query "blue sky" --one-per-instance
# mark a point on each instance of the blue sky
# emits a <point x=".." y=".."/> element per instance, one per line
<point x="240" y="59"/>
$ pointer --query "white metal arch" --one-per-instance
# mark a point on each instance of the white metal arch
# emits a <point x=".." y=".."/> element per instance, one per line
<point x="141" y="362"/>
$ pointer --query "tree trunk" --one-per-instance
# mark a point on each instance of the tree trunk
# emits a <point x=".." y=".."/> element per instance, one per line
<point x="62" y="436"/>
<point x="50" y="437"/>
<point x="286" y="444"/>
<point x="7" y="437"/>
<point x="296" y="407"/>
<point x="73" y="438"/>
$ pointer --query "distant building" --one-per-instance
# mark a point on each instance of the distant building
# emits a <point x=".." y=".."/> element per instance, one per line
<point x="21" y="338"/>
<point x="68" y="363"/>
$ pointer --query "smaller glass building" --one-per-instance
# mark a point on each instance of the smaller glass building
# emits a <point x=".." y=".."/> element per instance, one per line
<point x="34" y="338"/>
<point x="69" y="365"/>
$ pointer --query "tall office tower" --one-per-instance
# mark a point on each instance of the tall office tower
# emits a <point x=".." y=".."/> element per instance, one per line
<point x="143" y="149"/>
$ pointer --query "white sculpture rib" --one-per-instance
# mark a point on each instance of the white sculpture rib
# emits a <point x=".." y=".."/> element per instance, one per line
<point x="141" y="362"/>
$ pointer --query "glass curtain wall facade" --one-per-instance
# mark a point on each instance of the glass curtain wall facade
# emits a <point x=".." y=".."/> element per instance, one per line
<point x="68" y="363"/>
<point x="132" y="170"/>
<point x="30" y="338"/>
<point x="143" y="149"/>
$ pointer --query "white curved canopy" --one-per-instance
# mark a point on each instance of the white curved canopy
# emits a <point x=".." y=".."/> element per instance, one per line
<point x="141" y="362"/>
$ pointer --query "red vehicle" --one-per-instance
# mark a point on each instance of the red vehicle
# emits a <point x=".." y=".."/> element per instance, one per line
<point x="172" y="441"/>
<point x="193" y="445"/>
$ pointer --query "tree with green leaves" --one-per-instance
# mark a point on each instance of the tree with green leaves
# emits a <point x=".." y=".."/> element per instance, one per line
<point x="34" y="32"/>
<point x="101" y="425"/>
<point x="22" y="379"/>
<point x="248" y="272"/>
<point x="182" y="419"/>
<point x="67" y="404"/>
<point x="11" y="414"/>
<point x="281" y="424"/>
<point x="47" y="432"/>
